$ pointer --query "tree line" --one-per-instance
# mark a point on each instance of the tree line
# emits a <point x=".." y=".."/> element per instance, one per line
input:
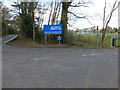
<point x="26" y="18"/>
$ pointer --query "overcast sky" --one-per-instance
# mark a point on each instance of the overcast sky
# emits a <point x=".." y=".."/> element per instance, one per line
<point x="94" y="13"/>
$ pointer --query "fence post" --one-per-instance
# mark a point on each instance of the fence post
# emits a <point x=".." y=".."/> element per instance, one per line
<point x="97" y="38"/>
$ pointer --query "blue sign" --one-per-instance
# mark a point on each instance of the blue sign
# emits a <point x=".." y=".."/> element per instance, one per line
<point x="53" y="29"/>
<point x="59" y="38"/>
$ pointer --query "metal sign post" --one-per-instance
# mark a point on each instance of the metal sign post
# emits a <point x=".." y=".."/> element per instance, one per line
<point x="59" y="40"/>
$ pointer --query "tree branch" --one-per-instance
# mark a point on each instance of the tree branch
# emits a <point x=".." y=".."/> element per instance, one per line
<point x="76" y="15"/>
<point x="89" y="21"/>
<point x="78" y="6"/>
<point x="104" y="15"/>
<point x="111" y="13"/>
<point x="116" y="6"/>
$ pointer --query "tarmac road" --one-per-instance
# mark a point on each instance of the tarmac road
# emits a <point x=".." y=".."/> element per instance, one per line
<point x="26" y="67"/>
<point x="0" y="62"/>
<point x="8" y="38"/>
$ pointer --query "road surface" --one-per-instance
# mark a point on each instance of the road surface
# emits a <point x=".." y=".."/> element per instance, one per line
<point x="8" y="38"/>
<point x="0" y="62"/>
<point x="26" y="67"/>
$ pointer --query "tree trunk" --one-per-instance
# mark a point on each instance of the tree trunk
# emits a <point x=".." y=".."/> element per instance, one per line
<point x="103" y="37"/>
<point x="64" y="19"/>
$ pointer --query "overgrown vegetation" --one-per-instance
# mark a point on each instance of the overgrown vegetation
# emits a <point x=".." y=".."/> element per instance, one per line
<point x="90" y="40"/>
<point x="29" y="26"/>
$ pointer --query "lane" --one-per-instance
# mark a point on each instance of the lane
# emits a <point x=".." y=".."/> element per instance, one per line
<point x="25" y="67"/>
<point x="8" y="38"/>
<point x="0" y="62"/>
<point x="103" y="72"/>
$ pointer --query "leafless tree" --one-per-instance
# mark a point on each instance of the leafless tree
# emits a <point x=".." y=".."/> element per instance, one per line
<point x="65" y="11"/>
<point x="55" y="8"/>
<point x="107" y="19"/>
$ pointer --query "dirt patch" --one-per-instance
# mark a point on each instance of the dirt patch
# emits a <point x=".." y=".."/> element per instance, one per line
<point x="21" y="42"/>
<point x="29" y="42"/>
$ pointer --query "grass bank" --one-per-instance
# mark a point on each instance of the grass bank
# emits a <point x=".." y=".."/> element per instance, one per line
<point x="91" y="40"/>
<point x="73" y="40"/>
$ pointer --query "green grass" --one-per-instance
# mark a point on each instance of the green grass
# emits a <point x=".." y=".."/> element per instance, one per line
<point x="108" y="41"/>
<point x="91" y="40"/>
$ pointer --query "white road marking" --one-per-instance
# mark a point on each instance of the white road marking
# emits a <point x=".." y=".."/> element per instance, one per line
<point x="36" y="59"/>
<point x="43" y="58"/>
<point x="91" y="55"/>
<point x="84" y="55"/>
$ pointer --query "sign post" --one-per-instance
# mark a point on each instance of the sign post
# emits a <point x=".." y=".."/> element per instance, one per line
<point x="59" y="38"/>
<point x="33" y="35"/>
<point x="53" y="29"/>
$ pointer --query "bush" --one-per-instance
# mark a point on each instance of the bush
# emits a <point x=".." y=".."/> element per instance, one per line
<point x="69" y="38"/>
<point x="72" y="39"/>
<point x="39" y="36"/>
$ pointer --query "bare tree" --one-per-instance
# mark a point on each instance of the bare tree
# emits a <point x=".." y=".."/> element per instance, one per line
<point x="65" y="11"/>
<point x="55" y="8"/>
<point x="107" y="18"/>
<point x="41" y="10"/>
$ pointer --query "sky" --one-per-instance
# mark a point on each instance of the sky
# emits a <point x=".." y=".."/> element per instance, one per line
<point x="119" y="16"/>
<point x="94" y="14"/>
